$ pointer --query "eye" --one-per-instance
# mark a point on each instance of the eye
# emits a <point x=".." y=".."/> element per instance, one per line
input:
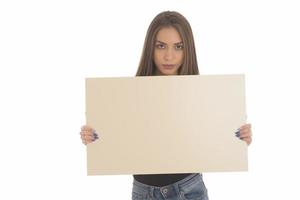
<point x="179" y="46"/>
<point x="160" y="46"/>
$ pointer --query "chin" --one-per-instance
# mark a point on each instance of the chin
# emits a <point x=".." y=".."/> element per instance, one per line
<point x="168" y="73"/>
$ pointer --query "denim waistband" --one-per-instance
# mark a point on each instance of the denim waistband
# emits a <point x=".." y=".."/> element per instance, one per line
<point x="176" y="187"/>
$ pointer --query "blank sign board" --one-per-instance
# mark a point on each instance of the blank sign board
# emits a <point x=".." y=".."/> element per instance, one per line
<point x="166" y="124"/>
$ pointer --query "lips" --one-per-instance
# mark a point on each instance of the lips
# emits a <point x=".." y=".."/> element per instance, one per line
<point x="168" y="66"/>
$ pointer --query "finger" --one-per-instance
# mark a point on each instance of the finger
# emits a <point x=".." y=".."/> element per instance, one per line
<point x="245" y="126"/>
<point x="245" y="134"/>
<point x="87" y="133"/>
<point x="87" y="137"/>
<point x="245" y="129"/>
<point x="242" y="128"/>
<point x="91" y="140"/>
<point x="87" y="128"/>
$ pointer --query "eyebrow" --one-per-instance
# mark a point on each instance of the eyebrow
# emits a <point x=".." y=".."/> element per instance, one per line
<point x="166" y="43"/>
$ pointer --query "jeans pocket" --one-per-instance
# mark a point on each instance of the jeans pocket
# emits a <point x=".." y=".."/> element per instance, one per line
<point x="137" y="196"/>
<point x="197" y="192"/>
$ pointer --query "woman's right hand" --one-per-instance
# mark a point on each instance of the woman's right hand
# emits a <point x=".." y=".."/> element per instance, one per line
<point x="88" y="134"/>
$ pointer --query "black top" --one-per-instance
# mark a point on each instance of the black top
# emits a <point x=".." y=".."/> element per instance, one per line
<point x="159" y="180"/>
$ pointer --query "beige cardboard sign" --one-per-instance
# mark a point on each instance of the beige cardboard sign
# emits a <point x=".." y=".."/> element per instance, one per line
<point x="166" y="124"/>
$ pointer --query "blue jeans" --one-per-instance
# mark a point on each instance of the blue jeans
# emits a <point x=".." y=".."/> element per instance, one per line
<point x="190" y="188"/>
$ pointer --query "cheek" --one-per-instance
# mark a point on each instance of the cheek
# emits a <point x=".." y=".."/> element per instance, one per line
<point x="157" y="57"/>
<point x="180" y="57"/>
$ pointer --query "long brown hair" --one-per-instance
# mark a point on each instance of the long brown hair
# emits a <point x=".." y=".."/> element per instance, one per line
<point x="180" y="23"/>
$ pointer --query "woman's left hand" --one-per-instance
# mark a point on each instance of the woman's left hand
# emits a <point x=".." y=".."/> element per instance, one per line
<point x="245" y="133"/>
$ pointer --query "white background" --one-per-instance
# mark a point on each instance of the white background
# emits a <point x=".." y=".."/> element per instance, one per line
<point x="47" y="48"/>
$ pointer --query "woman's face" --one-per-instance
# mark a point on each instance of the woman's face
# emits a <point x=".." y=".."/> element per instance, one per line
<point x="168" y="51"/>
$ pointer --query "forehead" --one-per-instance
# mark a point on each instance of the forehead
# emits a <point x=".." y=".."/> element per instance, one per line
<point x="168" y="35"/>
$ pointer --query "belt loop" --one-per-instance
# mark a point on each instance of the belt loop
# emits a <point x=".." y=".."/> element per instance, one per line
<point x="178" y="190"/>
<point x="151" y="191"/>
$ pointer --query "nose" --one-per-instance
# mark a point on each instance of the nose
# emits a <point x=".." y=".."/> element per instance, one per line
<point x="169" y="54"/>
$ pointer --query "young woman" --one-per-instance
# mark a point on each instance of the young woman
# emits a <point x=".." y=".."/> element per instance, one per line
<point x="169" y="49"/>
